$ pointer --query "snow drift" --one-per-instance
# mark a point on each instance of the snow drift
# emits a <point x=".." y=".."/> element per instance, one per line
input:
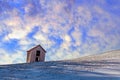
<point x="104" y="66"/>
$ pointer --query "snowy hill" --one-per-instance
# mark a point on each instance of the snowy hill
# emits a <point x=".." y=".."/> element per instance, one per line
<point x="110" y="55"/>
<point x="104" y="66"/>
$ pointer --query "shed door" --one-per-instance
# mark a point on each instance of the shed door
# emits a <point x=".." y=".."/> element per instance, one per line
<point x="37" y="56"/>
<point x="37" y="59"/>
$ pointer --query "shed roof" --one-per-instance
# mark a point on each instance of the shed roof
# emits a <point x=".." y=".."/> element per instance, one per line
<point x="36" y="47"/>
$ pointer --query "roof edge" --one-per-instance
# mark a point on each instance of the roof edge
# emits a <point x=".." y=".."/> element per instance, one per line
<point x="36" y="47"/>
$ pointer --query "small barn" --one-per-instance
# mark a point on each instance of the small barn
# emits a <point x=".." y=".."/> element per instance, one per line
<point x="36" y="54"/>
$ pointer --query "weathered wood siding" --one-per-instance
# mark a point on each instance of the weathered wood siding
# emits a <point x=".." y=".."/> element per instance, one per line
<point x="31" y="55"/>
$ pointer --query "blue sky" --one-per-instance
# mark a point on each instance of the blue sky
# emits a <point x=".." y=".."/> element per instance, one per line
<point x="65" y="28"/>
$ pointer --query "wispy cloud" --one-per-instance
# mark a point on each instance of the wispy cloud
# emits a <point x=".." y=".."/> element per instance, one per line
<point x="66" y="29"/>
<point x="7" y="58"/>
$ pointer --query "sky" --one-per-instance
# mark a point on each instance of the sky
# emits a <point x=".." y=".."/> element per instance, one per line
<point x="66" y="29"/>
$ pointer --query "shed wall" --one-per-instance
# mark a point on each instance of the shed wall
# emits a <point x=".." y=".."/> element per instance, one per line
<point x="31" y="55"/>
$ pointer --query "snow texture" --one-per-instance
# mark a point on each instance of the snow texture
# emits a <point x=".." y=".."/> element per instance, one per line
<point x="96" y="67"/>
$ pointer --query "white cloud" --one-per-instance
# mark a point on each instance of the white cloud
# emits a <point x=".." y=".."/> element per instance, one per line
<point x="64" y="54"/>
<point x="67" y="38"/>
<point x="96" y="33"/>
<point x="83" y="16"/>
<point x="77" y="36"/>
<point x="66" y="42"/>
<point x="17" y="34"/>
<point x="6" y="58"/>
<point x="40" y="37"/>
<point x="56" y="21"/>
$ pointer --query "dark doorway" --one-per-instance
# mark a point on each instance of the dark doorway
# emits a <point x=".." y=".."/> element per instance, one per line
<point x="36" y="59"/>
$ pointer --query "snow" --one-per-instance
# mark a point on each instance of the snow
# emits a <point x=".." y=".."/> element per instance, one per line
<point x="96" y="67"/>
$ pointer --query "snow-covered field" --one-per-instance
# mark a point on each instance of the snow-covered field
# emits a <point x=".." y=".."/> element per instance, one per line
<point x="105" y="66"/>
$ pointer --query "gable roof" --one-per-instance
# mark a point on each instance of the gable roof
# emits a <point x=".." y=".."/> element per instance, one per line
<point x="36" y="47"/>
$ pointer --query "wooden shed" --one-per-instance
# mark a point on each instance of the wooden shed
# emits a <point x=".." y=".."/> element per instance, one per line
<point x="36" y="54"/>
